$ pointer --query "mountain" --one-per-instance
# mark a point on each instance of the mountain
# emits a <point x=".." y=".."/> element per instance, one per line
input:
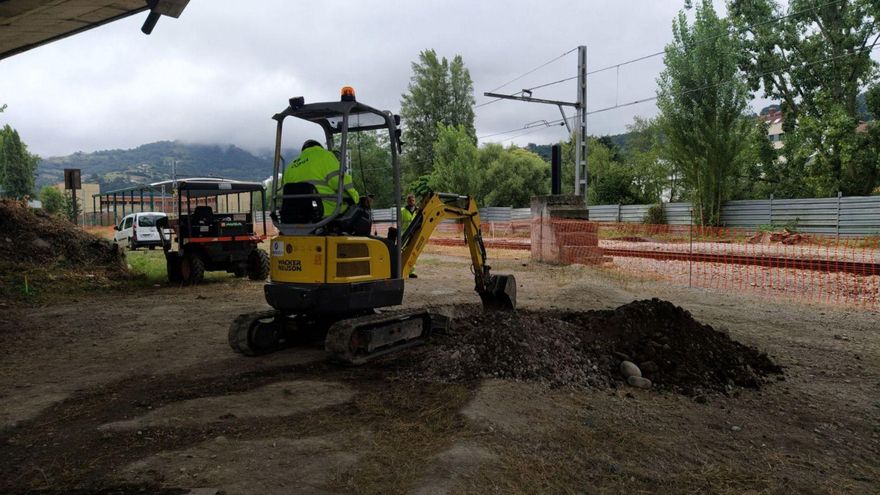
<point x="115" y="169"/>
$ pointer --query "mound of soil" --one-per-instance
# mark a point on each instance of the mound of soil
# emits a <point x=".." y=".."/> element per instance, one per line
<point x="674" y="351"/>
<point x="33" y="238"/>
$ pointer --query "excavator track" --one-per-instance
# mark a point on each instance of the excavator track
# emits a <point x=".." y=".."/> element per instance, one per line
<point x="258" y="333"/>
<point x="352" y="340"/>
<point x="358" y="340"/>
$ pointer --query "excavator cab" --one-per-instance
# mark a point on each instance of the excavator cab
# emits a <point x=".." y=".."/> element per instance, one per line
<point x="325" y="267"/>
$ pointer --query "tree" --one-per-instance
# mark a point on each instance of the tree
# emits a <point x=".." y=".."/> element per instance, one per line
<point x="815" y="59"/>
<point x="616" y="187"/>
<point x="513" y="176"/>
<point x="72" y="206"/>
<point x="371" y="166"/>
<point x="439" y="92"/>
<point x="702" y="97"/>
<point x="653" y="176"/>
<point x="17" y="166"/>
<point x="456" y="162"/>
<point x="610" y="181"/>
<point x="53" y="200"/>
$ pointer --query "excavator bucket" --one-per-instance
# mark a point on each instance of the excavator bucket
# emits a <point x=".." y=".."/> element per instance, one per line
<point x="500" y="293"/>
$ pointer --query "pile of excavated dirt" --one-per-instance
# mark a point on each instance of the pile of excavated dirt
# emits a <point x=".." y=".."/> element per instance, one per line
<point x="34" y="240"/>
<point x="674" y="351"/>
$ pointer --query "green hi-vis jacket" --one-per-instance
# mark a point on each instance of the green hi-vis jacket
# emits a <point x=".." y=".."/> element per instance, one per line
<point x="320" y="167"/>
<point x="406" y="217"/>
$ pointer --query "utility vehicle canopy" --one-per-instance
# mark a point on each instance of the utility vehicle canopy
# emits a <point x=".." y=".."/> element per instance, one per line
<point x="199" y="187"/>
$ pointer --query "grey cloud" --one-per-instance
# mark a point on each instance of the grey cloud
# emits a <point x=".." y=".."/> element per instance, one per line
<point x="217" y="74"/>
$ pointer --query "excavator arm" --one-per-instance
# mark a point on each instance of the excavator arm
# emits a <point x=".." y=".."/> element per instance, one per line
<point x="496" y="291"/>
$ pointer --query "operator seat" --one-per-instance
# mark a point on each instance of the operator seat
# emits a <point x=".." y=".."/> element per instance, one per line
<point x="203" y="215"/>
<point x="354" y="221"/>
<point x="301" y="210"/>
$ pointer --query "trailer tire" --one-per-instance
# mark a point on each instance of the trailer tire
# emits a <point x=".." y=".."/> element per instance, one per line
<point x="258" y="265"/>
<point x="192" y="269"/>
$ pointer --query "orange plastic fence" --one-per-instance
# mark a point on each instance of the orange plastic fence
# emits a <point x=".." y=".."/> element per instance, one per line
<point x="808" y="267"/>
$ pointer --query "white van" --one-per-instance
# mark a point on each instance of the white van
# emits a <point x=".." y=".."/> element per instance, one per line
<point x="139" y="229"/>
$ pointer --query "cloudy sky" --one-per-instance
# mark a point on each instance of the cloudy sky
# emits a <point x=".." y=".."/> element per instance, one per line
<point x="217" y="74"/>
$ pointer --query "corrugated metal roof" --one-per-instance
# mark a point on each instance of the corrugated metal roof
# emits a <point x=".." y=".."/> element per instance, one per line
<point x="26" y="24"/>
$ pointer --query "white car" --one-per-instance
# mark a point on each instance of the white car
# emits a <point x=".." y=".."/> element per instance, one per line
<point x="139" y="229"/>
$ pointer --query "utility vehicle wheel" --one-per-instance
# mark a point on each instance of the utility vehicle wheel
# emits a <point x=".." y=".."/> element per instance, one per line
<point x="258" y="265"/>
<point x="192" y="269"/>
<point x="152" y="247"/>
<point x="132" y="246"/>
<point x="172" y="265"/>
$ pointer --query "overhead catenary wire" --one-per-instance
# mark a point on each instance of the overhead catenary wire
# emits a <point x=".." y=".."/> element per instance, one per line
<point x="618" y="65"/>
<point x="545" y="64"/>
<point x="532" y="71"/>
<point x="868" y="48"/>
<point x="532" y="130"/>
<point x="545" y="122"/>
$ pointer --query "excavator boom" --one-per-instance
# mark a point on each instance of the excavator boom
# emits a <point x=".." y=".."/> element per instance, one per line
<point x="497" y="292"/>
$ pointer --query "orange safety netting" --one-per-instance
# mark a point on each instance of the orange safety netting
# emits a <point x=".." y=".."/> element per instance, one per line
<point x="809" y="267"/>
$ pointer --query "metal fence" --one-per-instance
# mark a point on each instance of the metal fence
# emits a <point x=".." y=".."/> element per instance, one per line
<point x="844" y="216"/>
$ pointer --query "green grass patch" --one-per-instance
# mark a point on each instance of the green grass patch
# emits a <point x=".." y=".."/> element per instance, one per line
<point x="148" y="267"/>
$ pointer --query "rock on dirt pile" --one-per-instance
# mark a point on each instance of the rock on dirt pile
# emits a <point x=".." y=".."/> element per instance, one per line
<point x="30" y="238"/>
<point x="674" y="351"/>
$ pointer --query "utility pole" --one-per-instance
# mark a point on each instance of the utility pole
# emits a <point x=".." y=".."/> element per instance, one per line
<point x="580" y="160"/>
<point x="580" y="134"/>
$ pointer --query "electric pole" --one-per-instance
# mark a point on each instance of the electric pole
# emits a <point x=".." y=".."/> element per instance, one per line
<point x="580" y="131"/>
<point x="580" y="160"/>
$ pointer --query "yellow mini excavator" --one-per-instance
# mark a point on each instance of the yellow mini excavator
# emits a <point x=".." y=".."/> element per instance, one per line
<point x="329" y="275"/>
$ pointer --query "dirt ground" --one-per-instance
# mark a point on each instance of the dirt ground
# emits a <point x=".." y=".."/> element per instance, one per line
<point x="138" y="392"/>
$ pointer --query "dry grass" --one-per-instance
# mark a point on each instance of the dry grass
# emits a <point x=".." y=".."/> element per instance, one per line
<point x="396" y="435"/>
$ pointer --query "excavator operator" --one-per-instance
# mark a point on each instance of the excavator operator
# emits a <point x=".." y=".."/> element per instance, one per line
<point x="319" y="167"/>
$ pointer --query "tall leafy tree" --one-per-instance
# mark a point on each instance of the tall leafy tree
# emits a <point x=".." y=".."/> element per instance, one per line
<point x="456" y="162"/>
<point x="815" y="59"/>
<point x="702" y="97"/>
<point x="439" y="92"/>
<point x="17" y="166"/>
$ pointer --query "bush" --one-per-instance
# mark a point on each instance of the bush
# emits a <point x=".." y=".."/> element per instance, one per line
<point x="656" y="215"/>
<point x="53" y="200"/>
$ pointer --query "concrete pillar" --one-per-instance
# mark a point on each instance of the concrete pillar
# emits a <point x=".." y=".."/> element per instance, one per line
<point x="561" y="231"/>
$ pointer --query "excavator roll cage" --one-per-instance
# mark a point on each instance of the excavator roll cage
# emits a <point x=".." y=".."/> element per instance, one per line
<point x="335" y="118"/>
